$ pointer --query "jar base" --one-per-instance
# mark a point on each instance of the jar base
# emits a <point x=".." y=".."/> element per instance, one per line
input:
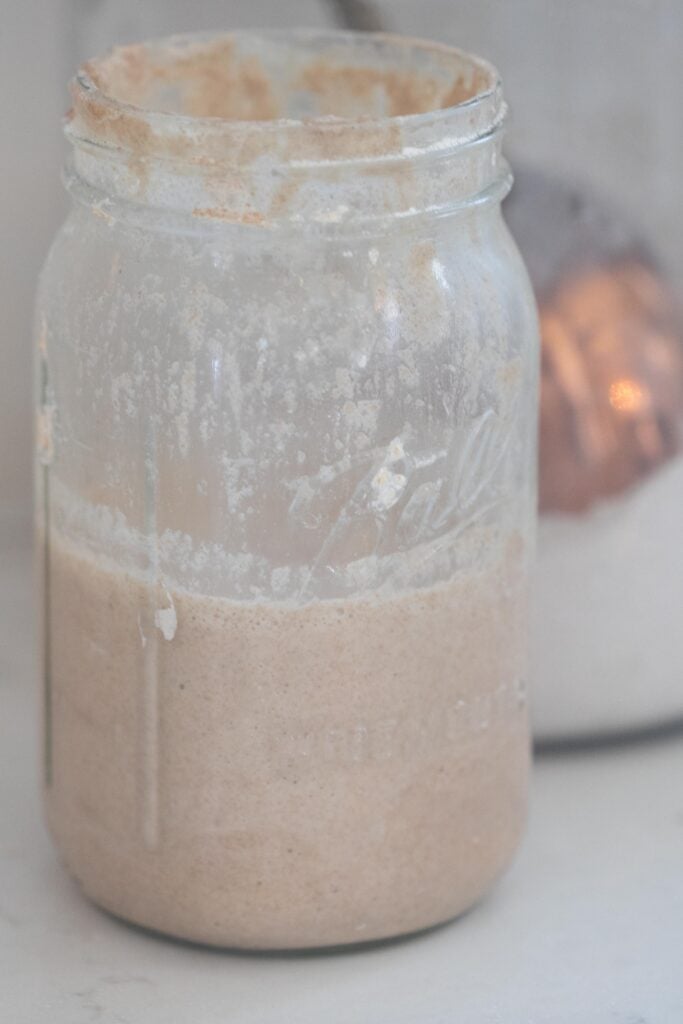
<point x="294" y="949"/>
<point x="223" y="911"/>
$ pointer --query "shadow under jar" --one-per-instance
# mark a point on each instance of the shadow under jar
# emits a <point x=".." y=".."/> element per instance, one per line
<point x="287" y="390"/>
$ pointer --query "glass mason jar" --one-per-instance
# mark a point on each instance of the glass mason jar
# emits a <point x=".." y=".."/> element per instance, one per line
<point x="287" y="393"/>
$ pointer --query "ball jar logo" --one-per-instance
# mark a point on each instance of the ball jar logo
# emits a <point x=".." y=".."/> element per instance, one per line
<point x="398" y="737"/>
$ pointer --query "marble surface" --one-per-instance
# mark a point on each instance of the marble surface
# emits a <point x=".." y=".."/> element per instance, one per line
<point x="587" y="927"/>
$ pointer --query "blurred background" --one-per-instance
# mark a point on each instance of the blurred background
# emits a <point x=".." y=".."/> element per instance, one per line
<point x="590" y="927"/>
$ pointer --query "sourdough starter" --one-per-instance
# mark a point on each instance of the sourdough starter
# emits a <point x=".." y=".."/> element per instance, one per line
<point x="273" y="775"/>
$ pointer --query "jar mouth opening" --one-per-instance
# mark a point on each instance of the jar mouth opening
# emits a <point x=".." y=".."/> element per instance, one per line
<point x="316" y="95"/>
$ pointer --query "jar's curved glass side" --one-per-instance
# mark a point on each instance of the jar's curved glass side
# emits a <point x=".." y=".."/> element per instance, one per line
<point x="290" y="521"/>
<point x="288" y="432"/>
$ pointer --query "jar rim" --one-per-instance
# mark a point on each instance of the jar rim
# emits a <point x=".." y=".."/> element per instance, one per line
<point x="423" y="96"/>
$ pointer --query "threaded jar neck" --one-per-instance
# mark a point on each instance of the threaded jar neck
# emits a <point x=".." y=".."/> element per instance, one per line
<point x="266" y="128"/>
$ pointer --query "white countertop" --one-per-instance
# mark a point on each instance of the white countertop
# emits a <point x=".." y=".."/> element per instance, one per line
<point x="587" y="927"/>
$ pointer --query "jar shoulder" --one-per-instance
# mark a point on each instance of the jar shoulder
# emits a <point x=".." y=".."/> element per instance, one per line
<point x="437" y="280"/>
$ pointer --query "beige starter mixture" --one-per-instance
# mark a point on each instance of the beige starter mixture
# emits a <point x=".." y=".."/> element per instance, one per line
<point x="267" y="775"/>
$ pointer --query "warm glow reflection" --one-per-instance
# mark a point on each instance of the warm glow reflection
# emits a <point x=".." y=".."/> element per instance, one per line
<point x="626" y="395"/>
